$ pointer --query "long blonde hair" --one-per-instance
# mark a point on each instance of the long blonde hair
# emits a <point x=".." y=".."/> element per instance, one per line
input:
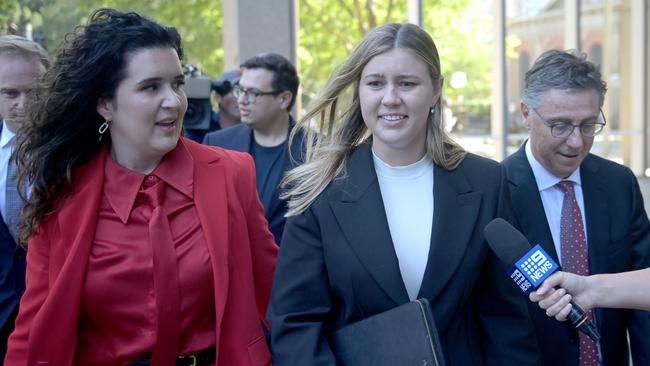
<point x="340" y="128"/>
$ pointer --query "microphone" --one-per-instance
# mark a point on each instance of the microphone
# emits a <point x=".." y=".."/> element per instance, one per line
<point x="530" y="267"/>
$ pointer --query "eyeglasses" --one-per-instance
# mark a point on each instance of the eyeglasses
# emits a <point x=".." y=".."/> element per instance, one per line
<point x="251" y="94"/>
<point x="564" y="129"/>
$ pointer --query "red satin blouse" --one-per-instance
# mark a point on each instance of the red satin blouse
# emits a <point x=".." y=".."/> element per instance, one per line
<point x="118" y="317"/>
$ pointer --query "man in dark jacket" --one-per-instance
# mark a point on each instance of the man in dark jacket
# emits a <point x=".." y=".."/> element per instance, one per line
<point x="265" y="94"/>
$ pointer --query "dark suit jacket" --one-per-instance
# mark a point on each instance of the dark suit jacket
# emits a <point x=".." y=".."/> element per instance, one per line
<point x="337" y="265"/>
<point x="12" y="272"/>
<point x="242" y="255"/>
<point x="618" y="235"/>
<point x="239" y="138"/>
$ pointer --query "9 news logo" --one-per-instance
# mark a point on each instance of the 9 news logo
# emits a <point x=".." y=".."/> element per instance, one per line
<point x="532" y="269"/>
<point x="537" y="265"/>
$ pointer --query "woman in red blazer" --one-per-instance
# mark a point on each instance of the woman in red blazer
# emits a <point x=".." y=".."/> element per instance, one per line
<point x="144" y="248"/>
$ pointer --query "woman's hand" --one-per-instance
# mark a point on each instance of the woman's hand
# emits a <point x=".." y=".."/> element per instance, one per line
<point x="556" y="293"/>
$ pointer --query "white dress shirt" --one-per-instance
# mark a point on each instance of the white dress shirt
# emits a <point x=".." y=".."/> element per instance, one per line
<point x="552" y="198"/>
<point x="6" y="148"/>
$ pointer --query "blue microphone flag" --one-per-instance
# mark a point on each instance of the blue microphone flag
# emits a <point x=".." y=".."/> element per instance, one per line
<point x="532" y="269"/>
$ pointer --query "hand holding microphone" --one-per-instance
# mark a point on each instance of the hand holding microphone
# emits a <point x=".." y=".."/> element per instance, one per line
<point x="530" y="267"/>
<point x="558" y="291"/>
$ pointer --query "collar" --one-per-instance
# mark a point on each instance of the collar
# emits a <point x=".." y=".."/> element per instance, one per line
<point x="407" y="172"/>
<point x="121" y="185"/>
<point x="543" y="177"/>
<point x="6" y="136"/>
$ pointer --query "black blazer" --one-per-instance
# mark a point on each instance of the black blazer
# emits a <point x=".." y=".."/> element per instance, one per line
<point x="337" y="265"/>
<point x="12" y="283"/>
<point x="239" y="138"/>
<point x="12" y="276"/>
<point x="618" y="234"/>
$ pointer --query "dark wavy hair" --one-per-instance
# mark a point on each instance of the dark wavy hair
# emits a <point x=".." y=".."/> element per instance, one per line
<point x="61" y="131"/>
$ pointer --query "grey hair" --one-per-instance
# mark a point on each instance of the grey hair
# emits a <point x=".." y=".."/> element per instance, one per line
<point x="16" y="45"/>
<point x="565" y="70"/>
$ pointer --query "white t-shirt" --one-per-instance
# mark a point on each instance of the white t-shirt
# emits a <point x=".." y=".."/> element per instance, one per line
<point x="407" y="193"/>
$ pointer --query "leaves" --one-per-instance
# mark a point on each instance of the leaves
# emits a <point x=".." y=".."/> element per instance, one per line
<point x="199" y="22"/>
<point x="329" y="30"/>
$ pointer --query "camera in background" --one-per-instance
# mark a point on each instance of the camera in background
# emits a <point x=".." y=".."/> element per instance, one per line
<point x="200" y="118"/>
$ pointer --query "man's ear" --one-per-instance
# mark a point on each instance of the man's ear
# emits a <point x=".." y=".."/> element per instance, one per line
<point x="104" y="108"/>
<point x="285" y="99"/>
<point x="525" y="113"/>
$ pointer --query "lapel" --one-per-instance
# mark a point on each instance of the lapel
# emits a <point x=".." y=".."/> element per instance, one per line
<point x="69" y="254"/>
<point x="361" y="215"/>
<point x="297" y="146"/>
<point x="456" y="208"/>
<point x="597" y="212"/>
<point x="242" y="141"/>
<point x="293" y="158"/>
<point x="527" y="203"/>
<point x="211" y="200"/>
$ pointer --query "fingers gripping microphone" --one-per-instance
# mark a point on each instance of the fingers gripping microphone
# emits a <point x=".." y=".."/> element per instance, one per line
<point x="530" y="267"/>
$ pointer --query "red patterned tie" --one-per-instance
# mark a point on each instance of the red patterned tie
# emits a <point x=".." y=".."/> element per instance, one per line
<point x="575" y="258"/>
<point x="165" y="275"/>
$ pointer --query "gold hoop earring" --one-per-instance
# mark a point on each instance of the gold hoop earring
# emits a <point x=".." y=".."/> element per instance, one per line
<point x="102" y="129"/>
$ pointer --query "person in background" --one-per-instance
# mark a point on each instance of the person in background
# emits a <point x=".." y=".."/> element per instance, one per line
<point x="228" y="114"/>
<point x="387" y="209"/>
<point x="132" y="257"/>
<point x="585" y="211"/>
<point x="21" y="64"/>
<point x="266" y="92"/>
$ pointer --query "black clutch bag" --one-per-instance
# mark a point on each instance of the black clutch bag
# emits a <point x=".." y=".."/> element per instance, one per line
<point x="405" y="335"/>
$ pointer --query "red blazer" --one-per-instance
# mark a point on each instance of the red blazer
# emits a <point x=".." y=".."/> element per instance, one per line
<point x="241" y="248"/>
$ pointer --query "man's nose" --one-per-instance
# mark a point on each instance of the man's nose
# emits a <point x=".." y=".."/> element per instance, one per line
<point x="575" y="139"/>
<point x="20" y="101"/>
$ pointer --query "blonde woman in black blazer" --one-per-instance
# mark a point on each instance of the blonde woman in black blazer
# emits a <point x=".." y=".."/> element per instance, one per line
<point x="338" y="262"/>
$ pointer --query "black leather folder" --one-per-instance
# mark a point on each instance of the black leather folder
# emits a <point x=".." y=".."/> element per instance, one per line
<point x="405" y="335"/>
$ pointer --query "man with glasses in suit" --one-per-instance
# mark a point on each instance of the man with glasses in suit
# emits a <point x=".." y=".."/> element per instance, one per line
<point x="587" y="212"/>
<point x="265" y="94"/>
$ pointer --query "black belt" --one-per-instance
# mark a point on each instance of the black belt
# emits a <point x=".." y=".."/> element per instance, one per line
<point x="203" y="358"/>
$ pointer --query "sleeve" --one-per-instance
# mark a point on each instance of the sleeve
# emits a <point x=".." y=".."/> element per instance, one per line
<point x="508" y="333"/>
<point x="264" y="250"/>
<point x="301" y="301"/>
<point x="37" y="288"/>
<point x="639" y="325"/>
<point x="639" y="229"/>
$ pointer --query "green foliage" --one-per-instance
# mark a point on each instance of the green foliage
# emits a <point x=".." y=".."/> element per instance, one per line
<point x="199" y="22"/>
<point x="14" y="16"/>
<point x="461" y="29"/>
<point x="329" y="30"/>
<point x="463" y="36"/>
